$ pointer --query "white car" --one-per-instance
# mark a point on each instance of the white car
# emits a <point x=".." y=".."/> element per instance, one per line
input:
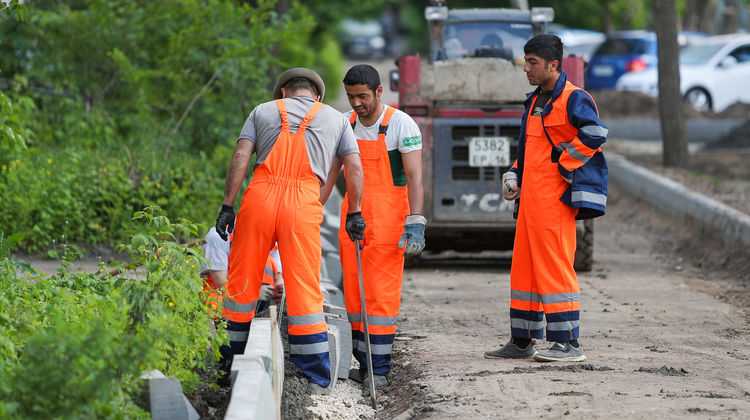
<point x="714" y="73"/>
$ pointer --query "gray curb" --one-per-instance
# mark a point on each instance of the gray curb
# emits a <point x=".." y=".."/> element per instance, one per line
<point x="674" y="198"/>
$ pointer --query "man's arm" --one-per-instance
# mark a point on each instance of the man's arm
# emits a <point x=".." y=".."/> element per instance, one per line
<point x="325" y="190"/>
<point x="592" y="133"/>
<point x="412" y="162"/>
<point x="237" y="170"/>
<point x="354" y="176"/>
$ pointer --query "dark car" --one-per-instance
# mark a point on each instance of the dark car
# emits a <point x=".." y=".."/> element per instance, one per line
<point x="621" y="52"/>
<point x="363" y="39"/>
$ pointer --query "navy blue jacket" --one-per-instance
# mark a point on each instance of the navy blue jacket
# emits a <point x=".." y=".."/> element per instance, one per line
<point x="588" y="184"/>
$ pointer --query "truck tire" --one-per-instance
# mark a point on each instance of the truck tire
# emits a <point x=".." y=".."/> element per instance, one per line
<point x="584" y="260"/>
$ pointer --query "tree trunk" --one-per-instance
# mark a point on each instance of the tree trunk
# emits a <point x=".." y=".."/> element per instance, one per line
<point x="520" y="4"/>
<point x="691" y="17"/>
<point x="675" y="151"/>
<point x="607" y="17"/>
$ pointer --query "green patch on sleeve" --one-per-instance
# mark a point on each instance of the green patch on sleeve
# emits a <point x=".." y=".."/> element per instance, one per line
<point x="412" y="141"/>
<point x="397" y="168"/>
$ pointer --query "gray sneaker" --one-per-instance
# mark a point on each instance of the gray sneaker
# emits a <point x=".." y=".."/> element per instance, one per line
<point x="561" y="352"/>
<point x="316" y="389"/>
<point x="361" y="377"/>
<point x="511" y="351"/>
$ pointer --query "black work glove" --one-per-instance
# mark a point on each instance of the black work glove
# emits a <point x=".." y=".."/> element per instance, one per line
<point x="225" y="221"/>
<point x="355" y="226"/>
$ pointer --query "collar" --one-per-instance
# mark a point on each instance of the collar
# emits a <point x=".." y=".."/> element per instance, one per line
<point x="303" y="98"/>
<point x="377" y="122"/>
<point x="556" y="92"/>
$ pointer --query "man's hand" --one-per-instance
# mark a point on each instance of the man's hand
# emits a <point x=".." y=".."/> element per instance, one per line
<point x="225" y="221"/>
<point x="510" y="186"/>
<point x="413" y="238"/>
<point x="355" y="226"/>
<point x="278" y="288"/>
<point x="266" y="292"/>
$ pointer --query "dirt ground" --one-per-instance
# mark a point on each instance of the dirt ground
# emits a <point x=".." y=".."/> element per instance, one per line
<point x="615" y="104"/>
<point x="663" y="325"/>
<point x="718" y="172"/>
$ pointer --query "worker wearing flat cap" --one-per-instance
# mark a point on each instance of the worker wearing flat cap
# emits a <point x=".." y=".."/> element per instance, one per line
<point x="296" y="139"/>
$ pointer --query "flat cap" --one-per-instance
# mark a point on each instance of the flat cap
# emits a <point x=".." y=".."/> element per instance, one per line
<point x="296" y="72"/>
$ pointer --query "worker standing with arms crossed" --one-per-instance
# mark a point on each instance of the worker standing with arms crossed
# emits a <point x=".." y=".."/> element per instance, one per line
<point x="560" y="176"/>
<point x="296" y="139"/>
<point x="390" y="146"/>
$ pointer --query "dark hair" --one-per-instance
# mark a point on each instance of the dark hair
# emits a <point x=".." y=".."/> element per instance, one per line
<point x="547" y="46"/>
<point x="300" y="83"/>
<point x="363" y="74"/>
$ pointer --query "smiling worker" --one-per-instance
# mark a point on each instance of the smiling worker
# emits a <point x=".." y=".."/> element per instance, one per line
<point x="390" y="145"/>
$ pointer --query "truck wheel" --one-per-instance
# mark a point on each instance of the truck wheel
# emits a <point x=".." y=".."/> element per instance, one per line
<point x="585" y="247"/>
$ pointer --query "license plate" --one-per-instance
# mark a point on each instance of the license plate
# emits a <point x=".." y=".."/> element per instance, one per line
<point x="603" y="71"/>
<point x="489" y="151"/>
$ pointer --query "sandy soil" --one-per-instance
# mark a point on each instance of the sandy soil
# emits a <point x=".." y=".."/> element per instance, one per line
<point x="663" y="326"/>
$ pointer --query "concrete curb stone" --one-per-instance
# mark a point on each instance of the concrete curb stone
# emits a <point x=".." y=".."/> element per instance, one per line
<point x="166" y="399"/>
<point x="676" y="199"/>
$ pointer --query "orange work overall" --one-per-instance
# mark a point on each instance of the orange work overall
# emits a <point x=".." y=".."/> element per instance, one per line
<point x="542" y="278"/>
<point x="282" y="203"/>
<point x="384" y="208"/>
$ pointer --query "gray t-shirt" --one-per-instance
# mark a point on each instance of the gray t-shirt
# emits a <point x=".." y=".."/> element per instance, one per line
<point x="328" y="135"/>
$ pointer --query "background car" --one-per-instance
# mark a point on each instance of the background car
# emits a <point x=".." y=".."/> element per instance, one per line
<point x="713" y="72"/>
<point x="627" y="52"/>
<point x="362" y="39"/>
<point x="621" y="53"/>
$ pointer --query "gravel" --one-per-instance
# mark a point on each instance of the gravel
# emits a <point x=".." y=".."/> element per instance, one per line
<point x="346" y="402"/>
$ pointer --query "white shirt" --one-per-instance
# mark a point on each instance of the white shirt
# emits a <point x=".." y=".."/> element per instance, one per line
<point x="403" y="132"/>
<point x="216" y="252"/>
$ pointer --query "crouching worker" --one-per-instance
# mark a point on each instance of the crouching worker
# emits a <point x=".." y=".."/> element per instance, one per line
<point x="214" y="273"/>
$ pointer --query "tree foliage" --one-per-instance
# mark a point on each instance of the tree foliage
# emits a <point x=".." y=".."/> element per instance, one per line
<point x="109" y="106"/>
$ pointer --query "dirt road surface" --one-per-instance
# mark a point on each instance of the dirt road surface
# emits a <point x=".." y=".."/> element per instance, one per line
<point x="660" y="342"/>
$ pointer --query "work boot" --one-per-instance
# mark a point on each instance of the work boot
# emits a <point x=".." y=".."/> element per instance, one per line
<point x="361" y="376"/>
<point x="511" y="351"/>
<point x="561" y="352"/>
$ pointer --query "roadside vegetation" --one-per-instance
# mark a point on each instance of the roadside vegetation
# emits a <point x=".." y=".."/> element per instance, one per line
<point x="117" y="120"/>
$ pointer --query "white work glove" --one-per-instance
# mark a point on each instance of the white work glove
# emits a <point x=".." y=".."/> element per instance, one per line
<point x="510" y="186"/>
<point x="266" y="292"/>
<point x="412" y="240"/>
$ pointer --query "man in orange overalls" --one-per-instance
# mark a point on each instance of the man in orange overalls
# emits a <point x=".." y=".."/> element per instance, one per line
<point x="390" y="145"/>
<point x="560" y="133"/>
<point x="296" y="139"/>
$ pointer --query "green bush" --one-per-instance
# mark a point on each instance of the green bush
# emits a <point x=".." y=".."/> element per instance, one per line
<point x="53" y="197"/>
<point x="73" y="345"/>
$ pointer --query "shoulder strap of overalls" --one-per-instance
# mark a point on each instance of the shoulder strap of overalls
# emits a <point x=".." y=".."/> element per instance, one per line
<point x="383" y="129"/>
<point x="557" y="151"/>
<point x="353" y="119"/>
<point x="309" y="117"/>
<point x="283" y="115"/>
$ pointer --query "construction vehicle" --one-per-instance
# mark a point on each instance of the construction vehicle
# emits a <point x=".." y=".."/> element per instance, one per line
<point x="467" y="99"/>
